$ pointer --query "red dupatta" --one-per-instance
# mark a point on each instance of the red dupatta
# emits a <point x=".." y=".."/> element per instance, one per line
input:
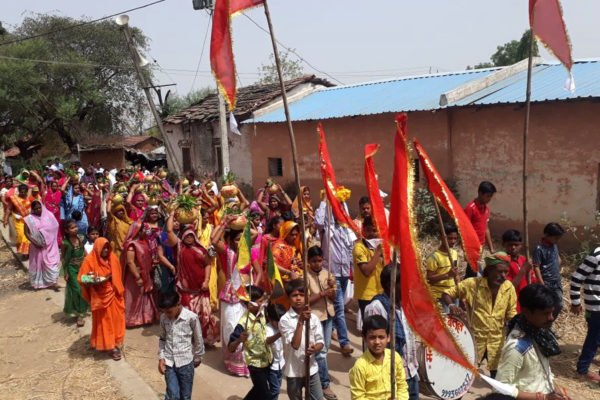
<point x="142" y="255"/>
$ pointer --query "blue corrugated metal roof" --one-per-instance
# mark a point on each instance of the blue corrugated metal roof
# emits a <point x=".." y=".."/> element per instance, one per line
<point x="423" y="93"/>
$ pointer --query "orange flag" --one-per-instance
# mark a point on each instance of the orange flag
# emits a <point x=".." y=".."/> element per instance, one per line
<point x="331" y="187"/>
<point x="546" y="21"/>
<point x="222" y="63"/>
<point x="377" y="209"/>
<point x="418" y="305"/>
<point x="441" y="193"/>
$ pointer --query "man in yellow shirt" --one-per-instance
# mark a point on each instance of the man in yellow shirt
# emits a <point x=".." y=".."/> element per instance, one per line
<point x="441" y="268"/>
<point x="368" y="264"/>
<point x="370" y="375"/>
<point x="491" y="301"/>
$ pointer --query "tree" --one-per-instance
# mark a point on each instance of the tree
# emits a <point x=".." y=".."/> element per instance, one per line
<point x="510" y="53"/>
<point x="84" y="82"/>
<point x="290" y="68"/>
<point x="176" y="103"/>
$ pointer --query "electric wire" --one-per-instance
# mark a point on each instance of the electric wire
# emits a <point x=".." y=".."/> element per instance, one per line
<point x="203" y="47"/>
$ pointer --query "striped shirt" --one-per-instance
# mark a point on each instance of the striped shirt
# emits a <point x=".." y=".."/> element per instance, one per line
<point x="588" y="275"/>
<point x="180" y="340"/>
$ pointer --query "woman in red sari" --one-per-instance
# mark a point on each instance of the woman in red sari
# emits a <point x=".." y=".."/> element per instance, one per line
<point x="192" y="280"/>
<point x="140" y="307"/>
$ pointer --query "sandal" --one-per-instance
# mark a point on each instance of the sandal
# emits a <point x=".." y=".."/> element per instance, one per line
<point x="80" y="322"/>
<point x="591" y="377"/>
<point x="116" y="354"/>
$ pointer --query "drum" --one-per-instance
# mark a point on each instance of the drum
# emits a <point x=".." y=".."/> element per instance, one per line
<point x="440" y="377"/>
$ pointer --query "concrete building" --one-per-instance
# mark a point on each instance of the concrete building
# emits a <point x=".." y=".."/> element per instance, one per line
<point x="194" y="133"/>
<point x="471" y="125"/>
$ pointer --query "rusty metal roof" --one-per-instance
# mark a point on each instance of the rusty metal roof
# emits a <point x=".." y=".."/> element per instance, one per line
<point x="249" y="98"/>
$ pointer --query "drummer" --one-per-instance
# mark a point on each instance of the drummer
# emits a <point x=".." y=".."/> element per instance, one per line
<point x="491" y="301"/>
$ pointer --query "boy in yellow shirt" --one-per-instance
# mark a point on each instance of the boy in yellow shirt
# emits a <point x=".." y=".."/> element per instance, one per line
<point x="368" y="264"/>
<point x="370" y="375"/>
<point x="442" y="265"/>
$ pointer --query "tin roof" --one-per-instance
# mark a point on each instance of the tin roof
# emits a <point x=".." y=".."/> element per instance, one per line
<point x="422" y="93"/>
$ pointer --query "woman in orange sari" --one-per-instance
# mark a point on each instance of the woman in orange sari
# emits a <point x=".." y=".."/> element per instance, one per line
<point x="20" y="206"/>
<point x="306" y="204"/>
<point x="105" y="298"/>
<point x="287" y="251"/>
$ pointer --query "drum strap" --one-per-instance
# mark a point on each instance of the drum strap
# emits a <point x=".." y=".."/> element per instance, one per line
<point x="475" y="293"/>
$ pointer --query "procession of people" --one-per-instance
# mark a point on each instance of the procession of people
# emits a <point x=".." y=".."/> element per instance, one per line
<point x="138" y="247"/>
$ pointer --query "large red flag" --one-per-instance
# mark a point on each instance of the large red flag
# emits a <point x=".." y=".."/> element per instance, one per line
<point x="546" y="21"/>
<point x="221" y="51"/>
<point x="441" y="193"/>
<point x="377" y="209"/>
<point x="418" y="305"/>
<point x="331" y="186"/>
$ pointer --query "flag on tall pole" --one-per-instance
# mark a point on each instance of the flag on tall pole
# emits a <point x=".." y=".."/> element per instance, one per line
<point x="222" y="63"/>
<point x="377" y="209"/>
<point x="547" y="24"/>
<point x="441" y="193"/>
<point x="418" y="304"/>
<point x="332" y="190"/>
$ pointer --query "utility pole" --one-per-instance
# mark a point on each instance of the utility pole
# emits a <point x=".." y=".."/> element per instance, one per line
<point x="123" y="22"/>
<point x="224" y="134"/>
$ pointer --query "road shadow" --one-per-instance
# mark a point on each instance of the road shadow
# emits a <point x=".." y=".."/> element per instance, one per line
<point x="27" y="287"/>
<point x="64" y="319"/>
<point x="81" y="349"/>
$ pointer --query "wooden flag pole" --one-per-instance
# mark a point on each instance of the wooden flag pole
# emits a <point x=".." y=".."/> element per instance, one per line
<point x="300" y="208"/>
<point x="443" y="233"/>
<point x="525" y="135"/>
<point x="392" y="321"/>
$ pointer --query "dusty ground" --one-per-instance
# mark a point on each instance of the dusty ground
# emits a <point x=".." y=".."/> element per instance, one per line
<point x="42" y="354"/>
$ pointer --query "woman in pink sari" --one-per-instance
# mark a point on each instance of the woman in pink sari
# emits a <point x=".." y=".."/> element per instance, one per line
<point x="140" y="307"/>
<point x="44" y="256"/>
<point x="192" y="280"/>
<point x="52" y="200"/>
<point x="136" y="203"/>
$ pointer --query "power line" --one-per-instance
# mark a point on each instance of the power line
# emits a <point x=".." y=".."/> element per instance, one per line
<point x="80" y="24"/>
<point x="293" y="51"/>
<point x="202" y="52"/>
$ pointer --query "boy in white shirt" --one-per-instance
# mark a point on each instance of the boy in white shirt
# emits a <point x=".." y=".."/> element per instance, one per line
<point x="274" y="314"/>
<point x="292" y="326"/>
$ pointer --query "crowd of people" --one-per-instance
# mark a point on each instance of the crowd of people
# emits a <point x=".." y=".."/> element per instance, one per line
<point x="132" y="254"/>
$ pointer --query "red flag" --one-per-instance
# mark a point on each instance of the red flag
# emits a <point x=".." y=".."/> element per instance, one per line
<point x="237" y="6"/>
<point x="377" y="209"/>
<point x="221" y="52"/>
<point x="546" y="21"/>
<point x="331" y="186"/>
<point x="441" y="193"/>
<point x="420" y="308"/>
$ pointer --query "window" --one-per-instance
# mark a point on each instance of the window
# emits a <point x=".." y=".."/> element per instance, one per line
<point x="275" y="167"/>
<point x="187" y="159"/>
<point x="416" y="168"/>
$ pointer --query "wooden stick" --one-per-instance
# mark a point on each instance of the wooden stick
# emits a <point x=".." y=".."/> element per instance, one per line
<point x="525" y="135"/>
<point x="392" y="320"/>
<point x="298" y="187"/>
<point x="329" y="239"/>
<point x="443" y="233"/>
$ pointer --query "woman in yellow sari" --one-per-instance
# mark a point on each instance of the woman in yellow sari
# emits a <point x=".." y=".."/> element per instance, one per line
<point x="19" y="206"/>
<point x="118" y="226"/>
<point x="306" y="204"/>
<point x="217" y="278"/>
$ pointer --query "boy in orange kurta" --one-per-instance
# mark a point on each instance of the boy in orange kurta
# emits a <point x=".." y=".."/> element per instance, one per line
<point x="105" y="298"/>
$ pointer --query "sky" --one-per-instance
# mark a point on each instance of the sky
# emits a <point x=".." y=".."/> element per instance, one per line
<point x="352" y="41"/>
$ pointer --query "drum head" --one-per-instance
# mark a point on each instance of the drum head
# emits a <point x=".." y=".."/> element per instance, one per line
<point x="441" y="377"/>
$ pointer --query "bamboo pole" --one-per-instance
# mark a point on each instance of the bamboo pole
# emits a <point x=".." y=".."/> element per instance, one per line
<point x="392" y="320"/>
<point x="443" y="234"/>
<point x="300" y="208"/>
<point x="525" y="136"/>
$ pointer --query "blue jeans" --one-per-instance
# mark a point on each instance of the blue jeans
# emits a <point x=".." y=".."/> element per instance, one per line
<point x="591" y="343"/>
<point x="179" y="382"/>
<point x="275" y="377"/>
<point x="413" y="387"/>
<point x="295" y="385"/>
<point x="321" y="357"/>
<point x="338" y="305"/>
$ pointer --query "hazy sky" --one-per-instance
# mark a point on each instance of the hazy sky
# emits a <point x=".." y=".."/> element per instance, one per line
<point x="352" y="40"/>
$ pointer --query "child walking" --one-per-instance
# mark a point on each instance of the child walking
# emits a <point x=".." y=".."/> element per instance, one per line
<point x="274" y="314"/>
<point x="321" y="287"/>
<point x="180" y="346"/>
<point x="251" y="330"/>
<point x="546" y="261"/>
<point x="93" y="233"/>
<point x="370" y="375"/>
<point x="292" y="326"/>
<point x="73" y="253"/>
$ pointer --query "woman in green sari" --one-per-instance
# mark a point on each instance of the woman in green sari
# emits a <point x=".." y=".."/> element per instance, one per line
<point x="73" y="255"/>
